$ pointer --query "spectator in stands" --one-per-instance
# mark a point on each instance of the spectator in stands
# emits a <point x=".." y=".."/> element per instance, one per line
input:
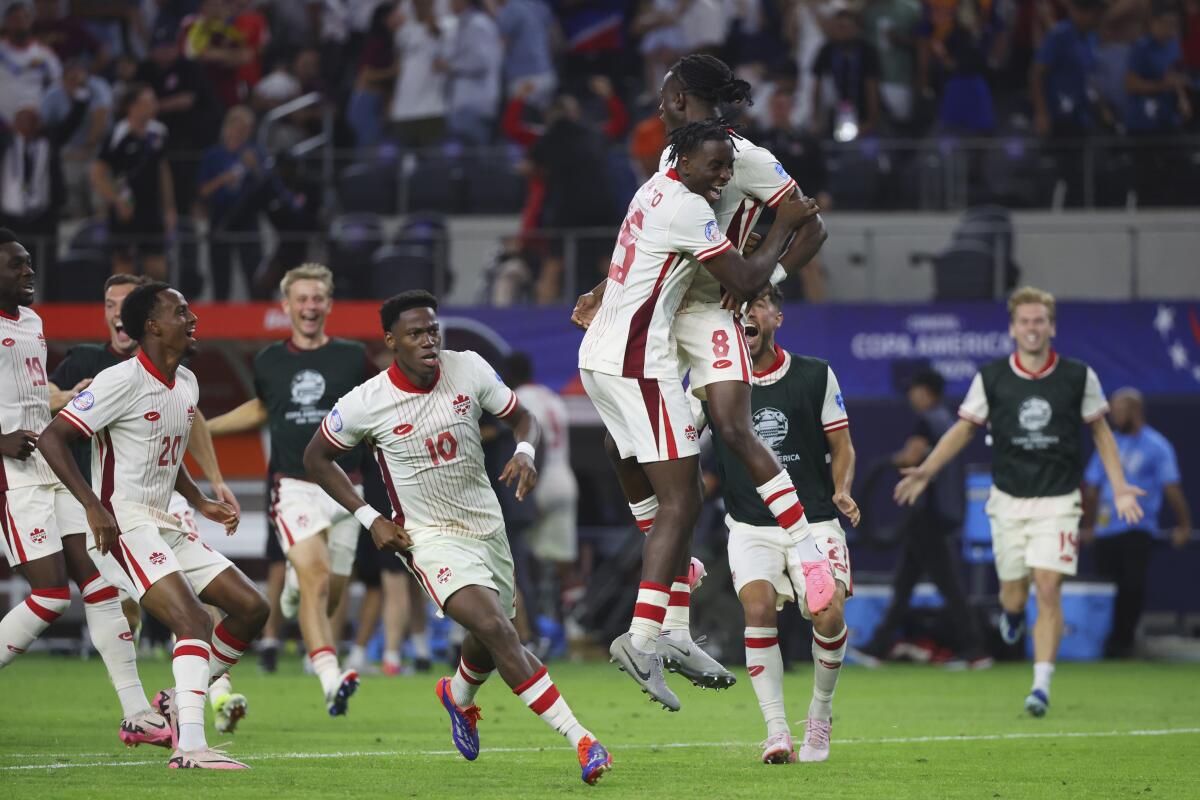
<point x="527" y="28"/>
<point x="418" y="111"/>
<point x="131" y="175"/>
<point x="593" y="35"/>
<point x="373" y="80"/>
<point x="472" y="65"/>
<point x="1158" y="102"/>
<point x="30" y="67"/>
<point x="119" y="25"/>
<point x="291" y="77"/>
<point x="230" y="172"/>
<point x="704" y="25"/>
<point x="65" y="34"/>
<point x="31" y="184"/>
<point x="657" y="23"/>
<point x="1062" y="70"/>
<point x="893" y="26"/>
<point x="81" y="132"/>
<point x="1122" y="550"/>
<point x="850" y="65"/>
<point x="252" y="26"/>
<point x="211" y="38"/>
<point x="966" y="103"/>
<point x="646" y="143"/>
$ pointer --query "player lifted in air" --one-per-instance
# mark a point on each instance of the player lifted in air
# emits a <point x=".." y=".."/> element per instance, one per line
<point x="798" y="410"/>
<point x="296" y="382"/>
<point x="710" y="343"/>
<point x="421" y="417"/>
<point x="139" y="414"/>
<point x="1034" y="403"/>
<point x="630" y="370"/>
<point x="43" y="526"/>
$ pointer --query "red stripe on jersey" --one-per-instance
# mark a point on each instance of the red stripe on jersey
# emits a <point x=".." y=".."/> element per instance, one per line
<point x="650" y="399"/>
<point x="672" y="450"/>
<point x="782" y="193"/>
<point x="190" y="650"/>
<point x="764" y="641"/>
<point x="790" y="517"/>
<point x="837" y="426"/>
<point x="100" y="595"/>
<point x="401" y="381"/>
<point x="751" y="218"/>
<point x="108" y="473"/>
<point x="834" y="645"/>
<point x="743" y="349"/>
<point x="137" y="569"/>
<point x="527" y="685"/>
<point x="77" y="422"/>
<point x="543" y="703"/>
<point x="639" y="326"/>
<point x="397" y="511"/>
<point x="46" y="614"/>
<point x="5" y="315"/>
<point x="227" y="638"/>
<point x="329" y="437"/>
<point x="735" y="225"/>
<point x="511" y="407"/>
<point x="3" y="477"/>
<point x="705" y="255"/>
<point x="772" y="498"/>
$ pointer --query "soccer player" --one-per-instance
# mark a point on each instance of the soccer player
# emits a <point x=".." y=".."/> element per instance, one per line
<point x="422" y="418"/>
<point x="81" y="364"/>
<point x="140" y="413"/>
<point x="296" y="382"/>
<point x="1034" y="403"/>
<point x="798" y="411"/>
<point x="710" y="343"/>
<point x="629" y="368"/>
<point x="43" y="526"/>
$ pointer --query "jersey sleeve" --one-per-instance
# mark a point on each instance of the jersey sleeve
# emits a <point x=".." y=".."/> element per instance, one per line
<point x="974" y="406"/>
<point x="833" y="409"/>
<point x="760" y="175"/>
<point x="1094" y="404"/>
<point x="102" y="403"/>
<point x="494" y="395"/>
<point x="349" y="422"/>
<point x="694" y="230"/>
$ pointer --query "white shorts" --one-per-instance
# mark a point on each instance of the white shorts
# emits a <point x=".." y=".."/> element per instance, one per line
<point x="301" y="510"/>
<point x="649" y="419"/>
<point x="553" y="536"/>
<point x="182" y="511"/>
<point x="146" y="554"/>
<point x="35" y="518"/>
<point x="759" y="553"/>
<point x="1034" y="533"/>
<point x="443" y="563"/>
<point x="712" y="347"/>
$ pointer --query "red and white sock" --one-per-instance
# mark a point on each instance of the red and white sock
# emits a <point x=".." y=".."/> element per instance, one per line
<point x="828" y="652"/>
<point x="780" y="496"/>
<point x="648" y="615"/>
<point x="764" y="662"/>
<point x="227" y="650"/>
<point x="677" y="623"/>
<point x="189" y="663"/>
<point x="26" y="621"/>
<point x="542" y="697"/>
<point x="644" y="512"/>
<point x="324" y="662"/>
<point x="110" y="634"/>
<point x="466" y="682"/>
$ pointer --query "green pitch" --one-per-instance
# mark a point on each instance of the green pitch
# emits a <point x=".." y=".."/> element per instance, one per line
<point x="899" y="732"/>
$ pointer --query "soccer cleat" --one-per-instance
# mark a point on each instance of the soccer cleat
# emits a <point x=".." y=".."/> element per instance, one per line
<point x="819" y="585"/>
<point x="696" y="573"/>
<point x="691" y="662"/>
<point x="1037" y="703"/>
<point x="778" y="749"/>
<point x="347" y="686"/>
<point x="289" y="598"/>
<point x="464" y="722"/>
<point x="146" y="727"/>
<point x="645" y="668"/>
<point x="228" y="711"/>
<point x="391" y="668"/>
<point x="1011" y="634"/>
<point x="816" y="739"/>
<point x="208" y="758"/>
<point x="268" y="659"/>
<point x="594" y="760"/>
<point x="164" y="704"/>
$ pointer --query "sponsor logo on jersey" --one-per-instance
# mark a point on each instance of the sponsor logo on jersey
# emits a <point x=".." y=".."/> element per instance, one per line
<point x="158" y="559"/>
<point x="308" y="386"/>
<point x="1034" y="413"/>
<point x="153" y="416"/>
<point x="711" y="231"/>
<point x="462" y="405"/>
<point x="690" y="434"/>
<point x="9" y="341"/>
<point x="38" y="535"/>
<point x="402" y="429"/>
<point x="335" y="420"/>
<point x="84" y="400"/>
<point x="444" y="575"/>
<point x="771" y="425"/>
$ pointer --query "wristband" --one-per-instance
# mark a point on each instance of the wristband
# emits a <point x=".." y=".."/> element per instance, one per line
<point x="779" y="275"/>
<point x="527" y="449"/>
<point x="366" y="516"/>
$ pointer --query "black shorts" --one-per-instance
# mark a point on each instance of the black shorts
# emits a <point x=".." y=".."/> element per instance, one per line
<point x="145" y="234"/>
<point x="370" y="561"/>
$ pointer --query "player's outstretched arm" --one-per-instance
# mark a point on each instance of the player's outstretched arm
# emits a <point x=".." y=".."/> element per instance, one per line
<point x="249" y="416"/>
<point x="745" y="277"/>
<point x="521" y="466"/>
<point x="842" y="458"/>
<point x="1125" y="495"/>
<point x="321" y="466"/>
<point x="54" y="444"/>
<point x="948" y="447"/>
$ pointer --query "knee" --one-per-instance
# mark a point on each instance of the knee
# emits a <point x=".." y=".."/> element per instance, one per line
<point x="195" y="623"/>
<point x="257" y="611"/>
<point x="759" y="614"/>
<point x="832" y="620"/>
<point x="1049" y="594"/>
<point x="496" y="633"/>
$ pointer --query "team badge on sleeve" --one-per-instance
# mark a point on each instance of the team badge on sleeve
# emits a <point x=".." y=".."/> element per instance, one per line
<point x="841" y="403"/>
<point x="711" y="231"/>
<point x="83" y="401"/>
<point x="781" y="172"/>
<point x="335" y="421"/>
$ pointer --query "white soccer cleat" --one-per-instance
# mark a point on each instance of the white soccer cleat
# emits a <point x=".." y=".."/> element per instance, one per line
<point x="289" y="598"/>
<point x="778" y="749"/>
<point x="207" y="758"/>
<point x="228" y="711"/>
<point x="816" y="740"/>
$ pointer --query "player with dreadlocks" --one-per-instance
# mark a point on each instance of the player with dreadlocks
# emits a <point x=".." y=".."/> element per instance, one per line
<point x="629" y="368"/>
<point x="712" y="346"/>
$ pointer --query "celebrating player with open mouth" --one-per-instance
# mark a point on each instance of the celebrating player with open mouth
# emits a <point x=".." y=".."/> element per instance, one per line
<point x="421" y="417"/>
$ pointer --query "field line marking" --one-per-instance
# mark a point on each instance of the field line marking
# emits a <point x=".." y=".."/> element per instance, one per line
<point x="982" y="737"/>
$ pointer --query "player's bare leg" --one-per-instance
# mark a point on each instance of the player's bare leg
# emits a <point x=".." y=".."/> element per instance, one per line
<point x="729" y="414"/>
<point x="764" y="662"/>
<point x="1047" y="633"/>
<point x="829" y="650"/>
<point x="269" y="644"/>
<point x="418" y="625"/>
<point x="492" y="641"/>
<point x="398" y="607"/>
<point x="310" y="557"/>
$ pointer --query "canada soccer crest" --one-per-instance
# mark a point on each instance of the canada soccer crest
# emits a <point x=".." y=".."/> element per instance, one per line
<point x="38" y="535"/>
<point x="690" y="434"/>
<point x="444" y="575"/>
<point x="158" y="559"/>
<point x="462" y="405"/>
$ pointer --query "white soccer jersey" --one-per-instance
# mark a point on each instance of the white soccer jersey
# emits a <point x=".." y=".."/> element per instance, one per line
<point x="668" y="233"/>
<point x="140" y="423"/>
<point x="758" y="181"/>
<point x="427" y="442"/>
<point x="551" y="413"/>
<point x="24" y="394"/>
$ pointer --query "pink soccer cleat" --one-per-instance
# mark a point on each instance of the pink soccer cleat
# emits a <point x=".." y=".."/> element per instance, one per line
<point x="696" y="573"/>
<point x="146" y="727"/>
<point x="819" y="585"/>
<point x="164" y="704"/>
<point x="208" y="758"/>
<point x="816" y="739"/>
<point x="778" y="749"/>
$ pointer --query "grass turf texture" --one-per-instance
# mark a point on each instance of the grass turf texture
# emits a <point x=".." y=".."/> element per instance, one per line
<point x="896" y="734"/>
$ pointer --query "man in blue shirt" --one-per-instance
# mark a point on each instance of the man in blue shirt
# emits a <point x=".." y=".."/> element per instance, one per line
<point x="1123" y="550"/>
<point x="1155" y="82"/>
<point x="1062" y="70"/>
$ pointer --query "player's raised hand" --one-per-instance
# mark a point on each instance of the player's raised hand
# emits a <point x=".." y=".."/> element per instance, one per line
<point x="18" y="444"/>
<point x="104" y="528"/>
<point x="910" y="486"/>
<point x="585" y="310"/>
<point x="387" y="535"/>
<point x="845" y="504"/>
<point x="797" y="210"/>
<point x="222" y="492"/>
<point x="220" y="512"/>
<point x="752" y="243"/>
<point x="520" y="468"/>
<point x="1127" y="505"/>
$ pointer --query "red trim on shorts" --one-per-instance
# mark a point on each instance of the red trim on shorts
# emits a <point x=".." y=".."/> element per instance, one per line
<point x="10" y="529"/>
<point x="136" y="567"/>
<point x="527" y="685"/>
<point x="227" y="638"/>
<point x="280" y="523"/>
<point x="759" y="642"/>
<point x="779" y="494"/>
<point x="543" y="703"/>
<point x="145" y="361"/>
<point x="108" y="473"/>
<point x="420" y="575"/>
<point x="79" y="424"/>
<point x="634" y="365"/>
<point x="834" y="645"/>
<point x="44" y="613"/>
<point x="100" y="595"/>
<point x="672" y="450"/>
<point x="649" y="389"/>
<point x="190" y="650"/>
<point x="791" y="516"/>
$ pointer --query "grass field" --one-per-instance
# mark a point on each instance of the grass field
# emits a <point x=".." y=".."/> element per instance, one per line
<point x="1114" y="730"/>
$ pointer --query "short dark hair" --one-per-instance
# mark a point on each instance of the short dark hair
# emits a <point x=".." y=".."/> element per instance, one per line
<point x="518" y="369"/>
<point x="686" y="138"/>
<point x="132" y="91"/>
<point x="393" y="307"/>
<point x="139" y="307"/>
<point x="931" y="379"/>
<point x="774" y="294"/>
<point x="124" y="280"/>
<point x="7" y="236"/>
